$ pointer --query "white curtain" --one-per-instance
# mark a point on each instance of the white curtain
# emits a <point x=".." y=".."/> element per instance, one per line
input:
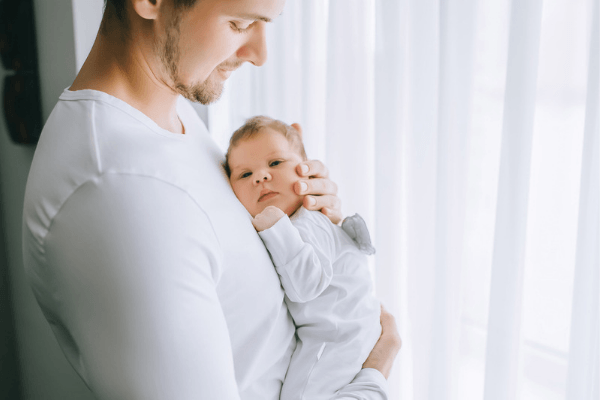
<point x="466" y="132"/>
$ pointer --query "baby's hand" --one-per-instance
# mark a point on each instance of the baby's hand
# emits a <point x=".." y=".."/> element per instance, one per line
<point x="267" y="218"/>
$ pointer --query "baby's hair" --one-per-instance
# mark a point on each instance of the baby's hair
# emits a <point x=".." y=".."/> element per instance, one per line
<point x="253" y="125"/>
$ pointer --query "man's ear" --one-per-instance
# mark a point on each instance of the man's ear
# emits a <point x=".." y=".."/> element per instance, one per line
<point x="297" y="127"/>
<point x="146" y="9"/>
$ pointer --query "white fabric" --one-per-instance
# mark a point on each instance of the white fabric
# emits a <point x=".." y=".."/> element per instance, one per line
<point x="328" y="292"/>
<point x="506" y="295"/>
<point x="584" y="347"/>
<point x="145" y="264"/>
<point x="466" y="133"/>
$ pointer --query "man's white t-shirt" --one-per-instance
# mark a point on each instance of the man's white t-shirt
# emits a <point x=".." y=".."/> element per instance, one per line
<point x="146" y="265"/>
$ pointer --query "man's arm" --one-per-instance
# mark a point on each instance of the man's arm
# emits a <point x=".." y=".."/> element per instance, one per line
<point x="132" y="300"/>
<point x="371" y="381"/>
<point x="369" y="384"/>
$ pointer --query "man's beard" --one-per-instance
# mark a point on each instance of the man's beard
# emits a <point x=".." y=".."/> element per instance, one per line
<point x="205" y="92"/>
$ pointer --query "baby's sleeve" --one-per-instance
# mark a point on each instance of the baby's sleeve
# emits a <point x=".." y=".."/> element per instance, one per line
<point x="303" y="262"/>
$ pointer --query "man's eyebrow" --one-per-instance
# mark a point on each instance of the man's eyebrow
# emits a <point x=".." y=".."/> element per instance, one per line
<point x="254" y="17"/>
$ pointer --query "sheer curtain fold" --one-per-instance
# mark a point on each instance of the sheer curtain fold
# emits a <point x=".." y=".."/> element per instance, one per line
<point x="312" y="57"/>
<point x="584" y="334"/>
<point x="456" y="36"/>
<point x="350" y="103"/>
<point x="504" y="323"/>
<point x="420" y="140"/>
<point x="391" y="117"/>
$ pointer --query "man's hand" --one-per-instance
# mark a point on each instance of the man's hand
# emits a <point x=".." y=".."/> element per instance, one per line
<point x="383" y="354"/>
<point x="320" y="191"/>
<point x="267" y="218"/>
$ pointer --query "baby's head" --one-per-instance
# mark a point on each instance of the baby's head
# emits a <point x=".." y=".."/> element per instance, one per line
<point x="261" y="164"/>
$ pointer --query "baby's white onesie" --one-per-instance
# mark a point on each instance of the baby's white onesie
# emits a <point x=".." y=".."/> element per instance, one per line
<point x="328" y="292"/>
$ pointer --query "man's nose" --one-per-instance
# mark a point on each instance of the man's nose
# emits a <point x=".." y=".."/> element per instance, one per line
<point x="255" y="49"/>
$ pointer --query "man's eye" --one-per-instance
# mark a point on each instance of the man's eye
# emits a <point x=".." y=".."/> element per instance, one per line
<point x="275" y="163"/>
<point x="238" y="27"/>
<point x="245" y="175"/>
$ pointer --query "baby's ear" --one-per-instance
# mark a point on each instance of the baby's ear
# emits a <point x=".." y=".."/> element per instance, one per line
<point x="297" y="127"/>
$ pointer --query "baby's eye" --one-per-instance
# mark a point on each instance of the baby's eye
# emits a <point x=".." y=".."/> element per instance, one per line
<point x="245" y="175"/>
<point x="275" y="163"/>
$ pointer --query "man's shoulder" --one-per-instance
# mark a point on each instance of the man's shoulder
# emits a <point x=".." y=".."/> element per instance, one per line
<point x="108" y="114"/>
<point x="86" y="138"/>
<point x="113" y="135"/>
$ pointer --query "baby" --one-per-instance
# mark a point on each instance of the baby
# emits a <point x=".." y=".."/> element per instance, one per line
<point x="321" y="268"/>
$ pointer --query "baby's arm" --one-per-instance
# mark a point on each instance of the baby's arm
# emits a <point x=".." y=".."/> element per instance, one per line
<point x="304" y="266"/>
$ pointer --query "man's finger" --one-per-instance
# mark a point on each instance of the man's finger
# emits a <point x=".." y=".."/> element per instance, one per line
<point x="316" y="203"/>
<point x="313" y="168"/>
<point x="330" y="203"/>
<point x="334" y="216"/>
<point x="317" y="186"/>
<point x="389" y="329"/>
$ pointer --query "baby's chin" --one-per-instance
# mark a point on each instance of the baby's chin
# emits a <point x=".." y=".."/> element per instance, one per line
<point x="287" y="207"/>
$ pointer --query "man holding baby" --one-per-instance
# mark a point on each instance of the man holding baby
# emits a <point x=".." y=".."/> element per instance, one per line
<point x="144" y="262"/>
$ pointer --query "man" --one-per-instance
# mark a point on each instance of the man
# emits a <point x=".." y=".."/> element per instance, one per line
<point x="144" y="263"/>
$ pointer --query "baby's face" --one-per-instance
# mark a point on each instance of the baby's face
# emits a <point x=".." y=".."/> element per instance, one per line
<point x="263" y="172"/>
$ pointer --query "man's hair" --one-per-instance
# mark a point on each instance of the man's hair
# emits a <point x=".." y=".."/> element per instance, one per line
<point x="119" y="6"/>
<point x="253" y="125"/>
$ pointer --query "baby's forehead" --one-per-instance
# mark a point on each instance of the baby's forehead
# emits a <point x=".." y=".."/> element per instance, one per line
<point x="268" y="135"/>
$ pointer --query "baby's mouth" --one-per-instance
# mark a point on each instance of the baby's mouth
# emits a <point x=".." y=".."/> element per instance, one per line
<point x="266" y="194"/>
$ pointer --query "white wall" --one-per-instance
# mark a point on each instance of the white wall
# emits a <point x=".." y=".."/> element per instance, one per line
<point x="87" y="15"/>
<point x="45" y="373"/>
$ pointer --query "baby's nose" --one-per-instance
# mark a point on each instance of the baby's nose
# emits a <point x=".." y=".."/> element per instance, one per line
<point x="264" y="178"/>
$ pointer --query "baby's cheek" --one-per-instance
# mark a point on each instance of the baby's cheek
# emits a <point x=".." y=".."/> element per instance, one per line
<point x="243" y="196"/>
<point x="236" y="191"/>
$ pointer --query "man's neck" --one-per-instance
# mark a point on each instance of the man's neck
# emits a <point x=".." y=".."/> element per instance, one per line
<point x="121" y="69"/>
